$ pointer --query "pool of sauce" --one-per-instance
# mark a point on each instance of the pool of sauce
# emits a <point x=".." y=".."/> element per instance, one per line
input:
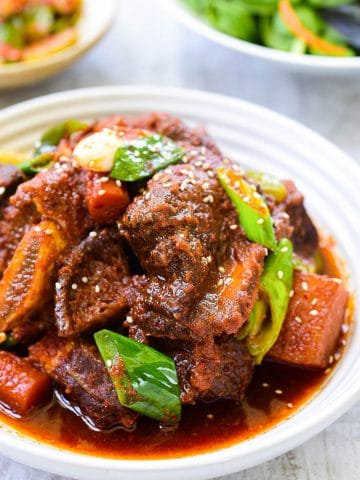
<point x="275" y="393"/>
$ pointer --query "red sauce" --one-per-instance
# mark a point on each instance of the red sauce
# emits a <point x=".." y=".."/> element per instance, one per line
<point x="275" y="393"/>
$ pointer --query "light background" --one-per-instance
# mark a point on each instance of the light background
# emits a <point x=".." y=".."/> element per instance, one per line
<point x="147" y="46"/>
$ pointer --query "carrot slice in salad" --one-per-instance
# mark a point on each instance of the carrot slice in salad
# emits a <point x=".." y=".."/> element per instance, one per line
<point x="292" y="21"/>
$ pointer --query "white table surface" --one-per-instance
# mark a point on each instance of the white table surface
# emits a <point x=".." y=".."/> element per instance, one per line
<point x="146" y="46"/>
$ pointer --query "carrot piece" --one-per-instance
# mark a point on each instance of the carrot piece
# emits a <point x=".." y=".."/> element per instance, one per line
<point x="50" y="45"/>
<point x="22" y="386"/>
<point x="106" y="201"/>
<point x="292" y="21"/>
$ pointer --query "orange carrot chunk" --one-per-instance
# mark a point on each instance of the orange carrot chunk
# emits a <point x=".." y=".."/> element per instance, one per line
<point x="292" y="21"/>
<point x="22" y="386"/>
<point x="106" y="201"/>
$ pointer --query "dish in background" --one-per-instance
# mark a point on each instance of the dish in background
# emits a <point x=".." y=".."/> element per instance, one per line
<point x="253" y="136"/>
<point x="316" y="63"/>
<point x="94" y="21"/>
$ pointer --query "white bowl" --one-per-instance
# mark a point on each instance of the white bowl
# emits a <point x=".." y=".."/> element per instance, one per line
<point x="95" y="21"/>
<point x="266" y="141"/>
<point x="291" y="61"/>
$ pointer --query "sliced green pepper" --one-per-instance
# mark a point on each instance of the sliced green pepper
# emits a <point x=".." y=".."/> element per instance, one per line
<point x="43" y="154"/>
<point x="145" y="380"/>
<point x="269" y="184"/>
<point x="142" y="157"/>
<point x="275" y="286"/>
<point x="254" y="215"/>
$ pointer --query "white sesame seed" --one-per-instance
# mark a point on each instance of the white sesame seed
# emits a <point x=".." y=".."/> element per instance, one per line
<point x="221" y="269"/>
<point x="327" y="371"/>
<point x="314" y="301"/>
<point x="209" y="199"/>
<point x="97" y="288"/>
<point x="108" y="363"/>
<point x="2" y="190"/>
<point x="85" y="279"/>
<point x="167" y="184"/>
<point x="331" y="359"/>
<point x="337" y="356"/>
<point x="220" y="283"/>
<point x="337" y="280"/>
<point x="48" y="231"/>
<point x="291" y="293"/>
<point x="278" y="392"/>
<point x="37" y="228"/>
<point x="147" y="195"/>
<point x="298" y="319"/>
<point x="343" y="341"/>
<point x="344" y="328"/>
<point x="210" y="173"/>
<point x="93" y="234"/>
<point x="284" y="249"/>
<point x="290" y="405"/>
<point x="74" y="286"/>
<point x="228" y="281"/>
<point x="260" y="221"/>
<point x="210" y="416"/>
<point x="265" y="385"/>
<point x="58" y="286"/>
<point x="118" y="183"/>
<point x="280" y="274"/>
<point x="205" y="185"/>
<point x="314" y="312"/>
<point x="129" y="319"/>
<point x="233" y="226"/>
<point x="101" y="192"/>
<point x="305" y="286"/>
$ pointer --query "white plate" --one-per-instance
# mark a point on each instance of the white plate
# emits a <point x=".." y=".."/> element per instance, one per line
<point x="94" y="23"/>
<point x="266" y="141"/>
<point x="292" y="61"/>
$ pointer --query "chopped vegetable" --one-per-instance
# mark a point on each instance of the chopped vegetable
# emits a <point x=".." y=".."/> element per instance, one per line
<point x="22" y="386"/>
<point x="254" y="215"/>
<point x="145" y="380"/>
<point x="7" y="341"/>
<point x="49" y="45"/>
<point x="142" y="157"/>
<point x="106" y="201"/>
<point x="269" y="184"/>
<point x="275" y="286"/>
<point x="43" y="154"/>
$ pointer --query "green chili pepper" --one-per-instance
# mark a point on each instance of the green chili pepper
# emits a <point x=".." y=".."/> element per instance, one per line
<point x="12" y="32"/>
<point x="43" y="154"/>
<point x="256" y="317"/>
<point x="145" y="380"/>
<point x="254" y="215"/>
<point x="7" y="341"/>
<point x="269" y="184"/>
<point x="142" y="157"/>
<point x="275" y="286"/>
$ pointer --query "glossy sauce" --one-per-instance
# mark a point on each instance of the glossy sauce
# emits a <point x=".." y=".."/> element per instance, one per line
<point x="275" y="393"/>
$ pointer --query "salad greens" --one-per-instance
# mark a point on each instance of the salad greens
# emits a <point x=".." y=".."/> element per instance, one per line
<point x="295" y="26"/>
<point x="145" y="380"/>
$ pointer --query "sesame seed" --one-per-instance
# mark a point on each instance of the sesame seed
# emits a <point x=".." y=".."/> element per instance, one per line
<point x="183" y="184"/>
<point x="228" y="280"/>
<point x="290" y="405"/>
<point x="58" y="286"/>
<point x="280" y="274"/>
<point x="337" y="280"/>
<point x="210" y="416"/>
<point x="97" y="288"/>
<point x="305" y="286"/>
<point x="93" y="234"/>
<point x="221" y="269"/>
<point x="327" y="371"/>
<point x="337" y="356"/>
<point x="265" y="385"/>
<point x="209" y="199"/>
<point x="284" y="249"/>
<point x="184" y="171"/>
<point x="37" y="228"/>
<point x="129" y="319"/>
<point x="260" y="221"/>
<point x="343" y="341"/>
<point x="167" y="184"/>
<point x="203" y="150"/>
<point x="291" y="293"/>
<point x="108" y="363"/>
<point x="101" y="192"/>
<point x="48" y="231"/>
<point x="118" y="183"/>
<point x="85" y="279"/>
<point x="205" y="185"/>
<point x="331" y="359"/>
<point x="220" y="283"/>
<point x="2" y="190"/>
<point x="233" y="226"/>
<point x="344" y="328"/>
<point x="247" y="198"/>
<point x="74" y="286"/>
<point x="147" y="195"/>
<point x="298" y="319"/>
<point x="314" y="313"/>
<point x="210" y="173"/>
<point x="278" y="392"/>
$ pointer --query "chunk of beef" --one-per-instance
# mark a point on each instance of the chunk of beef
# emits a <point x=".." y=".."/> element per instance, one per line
<point x="81" y="376"/>
<point x="10" y="178"/>
<point x="312" y="325"/>
<point x="90" y="283"/>
<point x="231" y="371"/>
<point x="304" y="234"/>
<point x="59" y="194"/>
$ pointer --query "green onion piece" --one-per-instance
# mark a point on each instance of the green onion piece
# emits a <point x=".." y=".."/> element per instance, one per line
<point x="145" y="380"/>
<point x="275" y="286"/>
<point x="142" y="157"/>
<point x="269" y="184"/>
<point x="254" y="215"/>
